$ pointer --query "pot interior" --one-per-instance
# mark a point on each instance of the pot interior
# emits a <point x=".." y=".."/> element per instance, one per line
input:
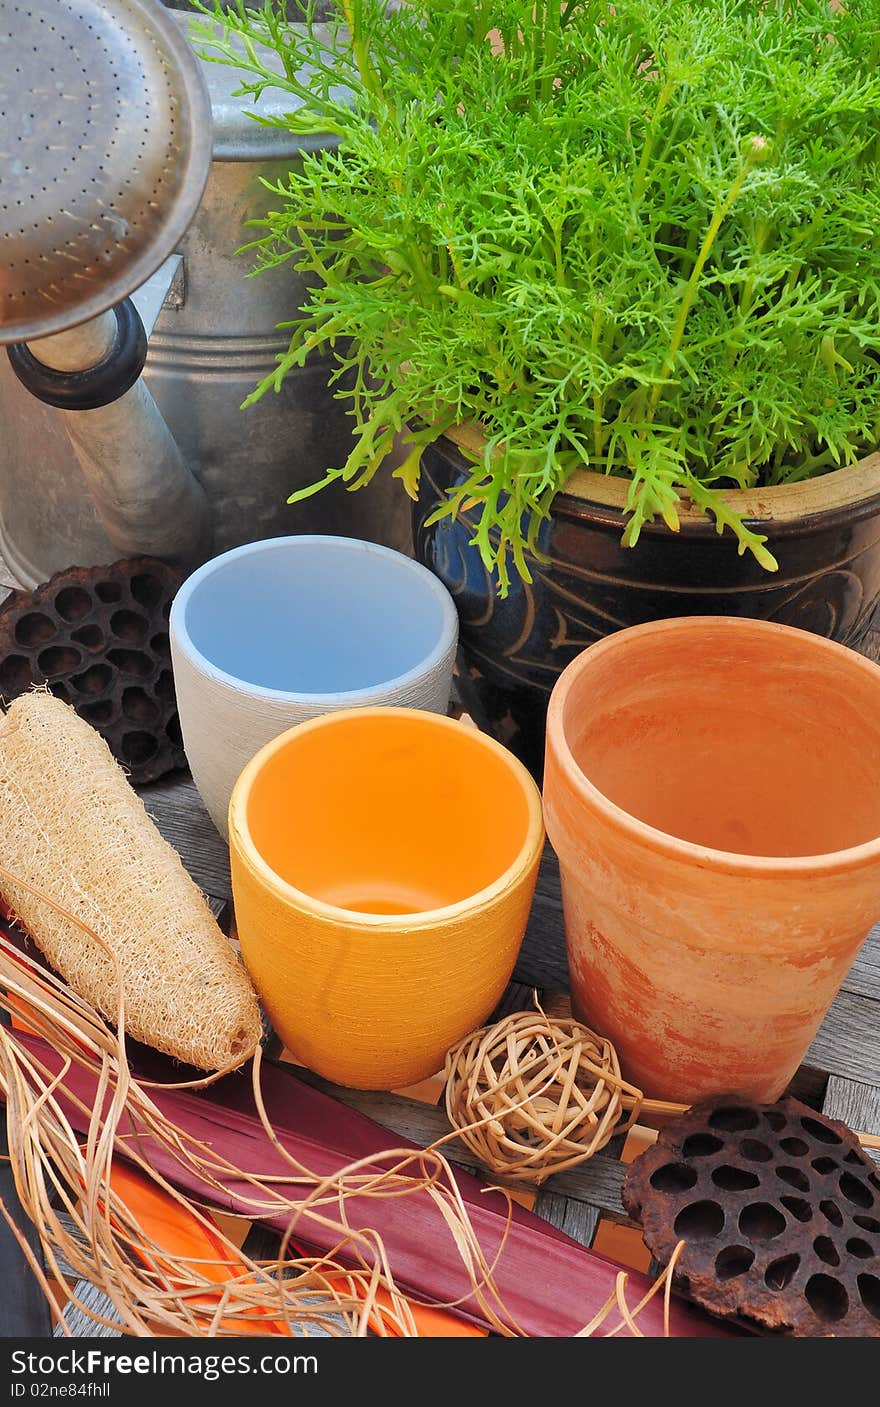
<point x="732" y="734"/>
<point x="317" y="615"/>
<point x="393" y="813"/>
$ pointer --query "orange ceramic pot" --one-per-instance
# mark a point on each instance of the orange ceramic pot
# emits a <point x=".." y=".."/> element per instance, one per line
<point x="383" y="866"/>
<point x="711" y="792"/>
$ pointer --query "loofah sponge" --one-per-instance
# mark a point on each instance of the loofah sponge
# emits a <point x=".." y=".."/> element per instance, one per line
<point x="72" y="827"/>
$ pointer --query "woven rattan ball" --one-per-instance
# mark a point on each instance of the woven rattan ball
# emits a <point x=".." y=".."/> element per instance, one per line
<point x="533" y="1095"/>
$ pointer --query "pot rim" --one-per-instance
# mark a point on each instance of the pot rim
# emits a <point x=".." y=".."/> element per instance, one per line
<point x="527" y="856"/>
<point x="777" y="504"/>
<point x="835" y="862"/>
<point x="424" y="667"/>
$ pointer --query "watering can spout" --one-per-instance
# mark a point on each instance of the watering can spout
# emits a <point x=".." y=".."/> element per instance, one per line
<point x="101" y="221"/>
<point x="147" y="498"/>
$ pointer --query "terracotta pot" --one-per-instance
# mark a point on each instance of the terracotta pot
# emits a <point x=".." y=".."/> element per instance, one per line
<point x="383" y="865"/>
<point x="825" y="534"/>
<point x="278" y="631"/>
<point x="709" y="793"/>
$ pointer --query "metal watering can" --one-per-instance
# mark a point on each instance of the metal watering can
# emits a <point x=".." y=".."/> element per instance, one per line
<point x="133" y="334"/>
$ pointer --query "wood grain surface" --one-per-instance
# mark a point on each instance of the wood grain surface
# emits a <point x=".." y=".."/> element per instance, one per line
<point x="842" y="1072"/>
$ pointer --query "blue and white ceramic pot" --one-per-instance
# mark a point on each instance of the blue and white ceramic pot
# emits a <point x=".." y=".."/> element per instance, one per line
<point x="276" y="632"/>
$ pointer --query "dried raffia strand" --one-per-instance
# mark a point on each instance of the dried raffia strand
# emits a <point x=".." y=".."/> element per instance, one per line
<point x="533" y="1095"/>
<point x="107" y="1245"/>
<point x="151" y="1290"/>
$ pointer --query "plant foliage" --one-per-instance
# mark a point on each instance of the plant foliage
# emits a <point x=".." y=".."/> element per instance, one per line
<point x="639" y="238"/>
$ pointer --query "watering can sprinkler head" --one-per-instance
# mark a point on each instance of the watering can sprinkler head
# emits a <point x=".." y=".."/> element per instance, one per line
<point x="103" y="178"/>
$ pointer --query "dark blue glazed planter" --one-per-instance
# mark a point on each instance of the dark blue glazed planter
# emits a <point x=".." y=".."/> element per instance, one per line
<point x="825" y="535"/>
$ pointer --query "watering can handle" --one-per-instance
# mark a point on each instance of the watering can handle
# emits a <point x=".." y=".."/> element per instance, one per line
<point x="148" y="500"/>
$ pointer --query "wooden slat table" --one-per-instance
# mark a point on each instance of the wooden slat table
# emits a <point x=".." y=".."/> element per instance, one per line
<point x="841" y="1074"/>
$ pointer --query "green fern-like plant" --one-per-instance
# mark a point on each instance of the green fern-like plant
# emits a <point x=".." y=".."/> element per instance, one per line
<point x="639" y="238"/>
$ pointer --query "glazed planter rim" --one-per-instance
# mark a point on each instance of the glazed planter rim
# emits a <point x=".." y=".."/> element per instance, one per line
<point x="849" y="491"/>
<point x="215" y="565"/>
<point x="837" y="862"/>
<point x="427" y="919"/>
